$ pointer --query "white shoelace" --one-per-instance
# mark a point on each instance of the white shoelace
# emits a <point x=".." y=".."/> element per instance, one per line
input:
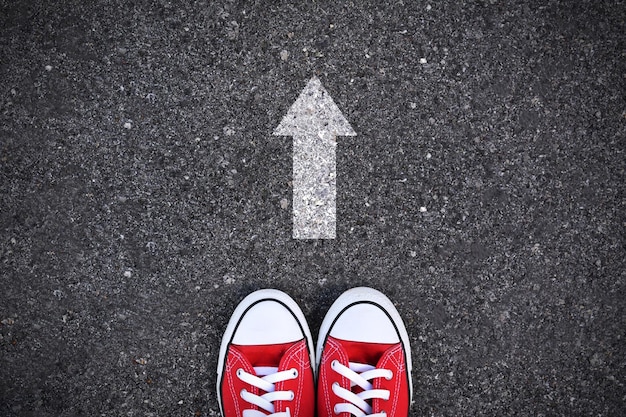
<point x="265" y="379"/>
<point x="360" y="374"/>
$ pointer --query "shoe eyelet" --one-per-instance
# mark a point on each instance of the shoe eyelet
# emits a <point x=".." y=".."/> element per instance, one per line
<point x="390" y="376"/>
<point x="292" y="396"/>
<point x="294" y="372"/>
<point x="334" y="363"/>
<point x="243" y="392"/>
<point x="335" y="410"/>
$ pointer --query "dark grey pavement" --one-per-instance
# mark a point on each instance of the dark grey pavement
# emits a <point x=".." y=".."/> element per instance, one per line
<point x="142" y="195"/>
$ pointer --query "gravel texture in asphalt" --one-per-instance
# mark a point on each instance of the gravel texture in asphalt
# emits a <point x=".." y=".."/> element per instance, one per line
<point x="143" y="195"/>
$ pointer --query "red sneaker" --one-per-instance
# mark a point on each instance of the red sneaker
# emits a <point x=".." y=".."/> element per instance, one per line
<point x="264" y="367"/>
<point x="364" y="358"/>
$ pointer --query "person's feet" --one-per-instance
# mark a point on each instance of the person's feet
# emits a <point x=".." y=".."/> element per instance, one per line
<point x="265" y="361"/>
<point x="364" y="358"/>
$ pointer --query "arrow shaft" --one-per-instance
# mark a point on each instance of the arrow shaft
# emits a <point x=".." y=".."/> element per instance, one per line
<point x="314" y="187"/>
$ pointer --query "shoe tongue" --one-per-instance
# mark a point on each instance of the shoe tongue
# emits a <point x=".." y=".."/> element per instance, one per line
<point x="265" y="355"/>
<point x="366" y="353"/>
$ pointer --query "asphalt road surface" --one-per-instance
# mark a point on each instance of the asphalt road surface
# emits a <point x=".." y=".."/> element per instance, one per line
<point x="143" y="195"/>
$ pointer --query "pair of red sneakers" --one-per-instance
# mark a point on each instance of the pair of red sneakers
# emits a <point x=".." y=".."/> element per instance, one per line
<point x="362" y="361"/>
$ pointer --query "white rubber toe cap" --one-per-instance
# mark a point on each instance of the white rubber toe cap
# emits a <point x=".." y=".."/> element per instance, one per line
<point x="267" y="322"/>
<point x="363" y="315"/>
<point x="365" y="322"/>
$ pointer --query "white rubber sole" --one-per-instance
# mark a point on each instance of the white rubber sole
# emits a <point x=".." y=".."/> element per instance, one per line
<point x="242" y="308"/>
<point x="365" y="295"/>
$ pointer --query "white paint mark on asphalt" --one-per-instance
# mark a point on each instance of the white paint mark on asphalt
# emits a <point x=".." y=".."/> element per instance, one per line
<point x="314" y="121"/>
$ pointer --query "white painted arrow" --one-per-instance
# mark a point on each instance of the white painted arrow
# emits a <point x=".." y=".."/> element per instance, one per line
<point x="314" y="121"/>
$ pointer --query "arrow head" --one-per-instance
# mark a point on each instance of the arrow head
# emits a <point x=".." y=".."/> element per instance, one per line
<point x="314" y="113"/>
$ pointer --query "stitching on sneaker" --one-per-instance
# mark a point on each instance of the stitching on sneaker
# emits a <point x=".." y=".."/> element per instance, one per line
<point x="297" y="354"/>
<point x="299" y="391"/>
<point x="397" y="361"/>
<point x="330" y="349"/>
<point x="237" y="358"/>
<point x="299" y="357"/>
<point x="322" y="377"/>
